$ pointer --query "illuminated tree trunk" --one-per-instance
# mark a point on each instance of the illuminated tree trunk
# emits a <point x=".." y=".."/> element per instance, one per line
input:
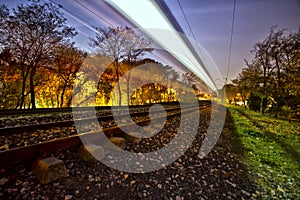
<point x="25" y="72"/>
<point x="118" y="84"/>
<point x="23" y="93"/>
<point x="32" y="92"/>
<point x="62" y="95"/>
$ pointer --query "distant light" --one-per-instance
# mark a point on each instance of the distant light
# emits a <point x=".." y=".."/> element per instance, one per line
<point x="150" y="18"/>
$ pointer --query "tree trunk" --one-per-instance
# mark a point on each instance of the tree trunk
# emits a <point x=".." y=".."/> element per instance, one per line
<point x="62" y="95"/>
<point x="22" y="92"/>
<point x="25" y="72"/>
<point x="261" y="105"/>
<point x="128" y="87"/>
<point x="69" y="102"/>
<point x="32" y="93"/>
<point x="118" y="84"/>
<point x="31" y="84"/>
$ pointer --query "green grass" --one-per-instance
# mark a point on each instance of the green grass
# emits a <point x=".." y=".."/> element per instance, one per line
<point x="271" y="150"/>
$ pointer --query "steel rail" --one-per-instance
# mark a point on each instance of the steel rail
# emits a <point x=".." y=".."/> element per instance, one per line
<point x="43" y="126"/>
<point x="14" y="156"/>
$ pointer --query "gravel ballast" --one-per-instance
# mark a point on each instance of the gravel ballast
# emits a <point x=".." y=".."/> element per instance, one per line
<point x="219" y="175"/>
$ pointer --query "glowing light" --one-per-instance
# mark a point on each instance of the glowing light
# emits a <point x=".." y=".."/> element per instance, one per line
<point x="150" y="18"/>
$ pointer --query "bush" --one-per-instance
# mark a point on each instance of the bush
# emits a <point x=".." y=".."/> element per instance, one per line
<point x="286" y="111"/>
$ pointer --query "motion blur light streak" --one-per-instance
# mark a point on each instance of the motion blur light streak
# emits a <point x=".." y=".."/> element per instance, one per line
<point x="150" y="18"/>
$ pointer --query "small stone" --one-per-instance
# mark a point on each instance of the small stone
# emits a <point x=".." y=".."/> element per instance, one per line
<point x="178" y="198"/>
<point x="55" y="185"/>
<point x="91" y="179"/>
<point x="159" y="186"/>
<point x="4" y="147"/>
<point x="138" y="180"/>
<point x="132" y="182"/>
<point x="71" y="165"/>
<point x="140" y="195"/>
<point x="3" y="181"/>
<point x="25" y="184"/>
<point x="232" y="184"/>
<point x="125" y="176"/>
<point x="68" y="197"/>
<point x="77" y="192"/>
<point x="19" y="182"/>
<point x="245" y="192"/>
<point x="87" y="188"/>
<point x="23" y="191"/>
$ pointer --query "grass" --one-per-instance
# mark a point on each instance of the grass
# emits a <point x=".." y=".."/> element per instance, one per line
<point x="271" y="150"/>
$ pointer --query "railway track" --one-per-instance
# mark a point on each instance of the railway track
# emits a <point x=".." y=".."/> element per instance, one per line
<point x="42" y="126"/>
<point x="16" y="155"/>
<point x="44" y="111"/>
<point x="17" y="136"/>
<point x="26" y="117"/>
<point x="216" y="176"/>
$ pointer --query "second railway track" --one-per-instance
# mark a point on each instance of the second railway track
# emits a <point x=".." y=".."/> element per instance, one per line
<point x="24" y="145"/>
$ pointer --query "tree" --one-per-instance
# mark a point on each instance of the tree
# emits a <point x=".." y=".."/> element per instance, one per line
<point x="67" y="63"/>
<point x="231" y="91"/>
<point x="110" y="42"/>
<point x="31" y="33"/>
<point x="122" y="45"/>
<point x="4" y="13"/>
<point x="97" y="70"/>
<point x="135" y="47"/>
<point x="9" y="81"/>
<point x="273" y="73"/>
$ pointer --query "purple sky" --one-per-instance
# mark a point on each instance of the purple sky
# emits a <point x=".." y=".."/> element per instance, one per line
<point x="210" y="21"/>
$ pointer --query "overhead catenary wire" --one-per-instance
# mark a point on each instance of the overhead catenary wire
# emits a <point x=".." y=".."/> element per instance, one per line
<point x="190" y="28"/>
<point x="187" y="21"/>
<point x="230" y="43"/>
<point x="194" y="38"/>
<point x="75" y="17"/>
<point x="94" y="13"/>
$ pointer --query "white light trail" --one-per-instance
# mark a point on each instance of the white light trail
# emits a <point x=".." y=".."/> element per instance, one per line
<point x="146" y="15"/>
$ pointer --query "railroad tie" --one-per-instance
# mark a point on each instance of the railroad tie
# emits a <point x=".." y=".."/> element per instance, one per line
<point x="131" y="138"/>
<point x="90" y="152"/>
<point x="49" y="169"/>
<point x="118" y="141"/>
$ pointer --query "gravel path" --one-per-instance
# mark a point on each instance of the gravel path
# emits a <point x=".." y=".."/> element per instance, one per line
<point x="220" y="175"/>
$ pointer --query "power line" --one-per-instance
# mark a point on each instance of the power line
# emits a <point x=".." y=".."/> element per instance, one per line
<point x="76" y="17"/>
<point x="230" y="44"/>
<point x="190" y="28"/>
<point x="200" y="50"/>
<point x="94" y="13"/>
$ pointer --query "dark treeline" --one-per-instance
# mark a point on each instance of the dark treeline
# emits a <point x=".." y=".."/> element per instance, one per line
<point x="271" y="80"/>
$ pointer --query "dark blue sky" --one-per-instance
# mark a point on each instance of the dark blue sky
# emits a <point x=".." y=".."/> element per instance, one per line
<point x="210" y="21"/>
